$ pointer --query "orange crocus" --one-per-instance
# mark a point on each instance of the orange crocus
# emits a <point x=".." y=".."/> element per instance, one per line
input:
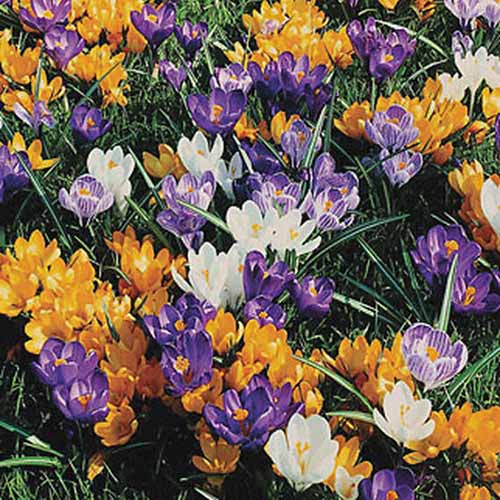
<point x="120" y="425"/>
<point x="225" y="332"/>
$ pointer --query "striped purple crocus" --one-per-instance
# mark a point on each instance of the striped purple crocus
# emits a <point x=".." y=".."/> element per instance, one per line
<point x="431" y="356"/>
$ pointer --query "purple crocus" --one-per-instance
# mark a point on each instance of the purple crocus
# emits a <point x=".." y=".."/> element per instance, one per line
<point x="491" y="12"/>
<point x="435" y="252"/>
<point x="172" y="74"/>
<point x="40" y="115"/>
<point x="156" y="25"/>
<point x="265" y="311"/>
<point x="85" y="399"/>
<point x="295" y="142"/>
<point x="313" y="296"/>
<point x="392" y="129"/>
<point x="218" y="113"/>
<point x="62" y="45"/>
<point x="46" y="14"/>
<point x="179" y="220"/>
<point x="247" y="418"/>
<point x="234" y="77"/>
<point x="497" y="132"/>
<point x="400" y="168"/>
<point x="263" y="160"/>
<point x="277" y="191"/>
<point x="465" y="10"/>
<point x="87" y="198"/>
<point x="259" y="279"/>
<point x="188" y="314"/>
<point x="461" y="43"/>
<point x="430" y="355"/>
<point x="382" y="55"/>
<point x="62" y="362"/>
<point x="191" y="37"/>
<point x="13" y="174"/>
<point x="328" y="209"/>
<point x="88" y="123"/>
<point x="473" y="294"/>
<point x="399" y="483"/>
<point x="187" y="362"/>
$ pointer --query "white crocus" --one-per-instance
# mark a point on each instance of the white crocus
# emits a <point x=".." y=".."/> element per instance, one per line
<point x="490" y="203"/>
<point x="113" y="169"/>
<point x="211" y="275"/>
<point x="225" y="175"/>
<point x="233" y="286"/>
<point x="197" y="156"/>
<point x="305" y="454"/>
<point x="477" y="67"/>
<point x="251" y="229"/>
<point x="453" y="87"/>
<point x="346" y="486"/>
<point x="405" y="419"/>
<point x="291" y="234"/>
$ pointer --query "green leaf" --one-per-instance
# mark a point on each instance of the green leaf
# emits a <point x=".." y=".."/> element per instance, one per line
<point x="466" y="376"/>
<point x="444" y="315"/>
<point x="30" y="462"/>
<point x="311" y="150"/>
<point x="337" y="379"/>
<point x="345" y="236"/>
<point x="370" y="311"/>
<point x="353" y="415"/>
<point x="216" y="221"/>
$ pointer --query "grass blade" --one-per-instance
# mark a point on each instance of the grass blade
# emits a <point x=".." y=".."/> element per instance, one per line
<point x="311" y="150"/>
<point x="366" y="309"/>
<point x="30" y="462"/>
<point x="216" y="221"/>
<point x="444" y="315"/>
<point x="337" y="379"/>
<point x="353" y="415"/>
<point x="146" y="177"/>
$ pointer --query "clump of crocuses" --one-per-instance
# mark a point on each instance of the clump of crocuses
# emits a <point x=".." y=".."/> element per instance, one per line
<point x="79" y="388"/>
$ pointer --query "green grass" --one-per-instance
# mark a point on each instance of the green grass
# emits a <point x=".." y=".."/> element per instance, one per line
<point x="378" y="290"/>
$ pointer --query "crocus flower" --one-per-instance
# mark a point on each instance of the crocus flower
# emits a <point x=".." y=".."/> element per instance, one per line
<point x="259" y="279"/>
<point x="436" y="251"/>
<point x="328" y="209"/>
<point x="461" y="43"/>
<point x="472" y="294"/>
<point x="405" y="419"/>
<point x="490" y="197"/>
<point x="389" y="484"/>
<point x="430" y="355"/>
<point x="265" y="311"/>
<point x="179" y="220"/>
<point x="13" y="175"/>
<point x="88" y="124"/>
<point x="172" y="74"/>
<point x="198" y="156"/>
<point x="234" y="77"/>
<point x="46" y="14"/>
<point x="113" y="169"/>
<point x="392" y="129"/>
<point x="313" y="296"/>
<point x="188" y="314"/>
<point x="277" y="191"/>
<point x="62" y="45"/>
<point x="86" y="199"/>
<point x="295" y="142"/>
<point x="187" y="362"/>
<point x="400" y="168"/>
<point x="191" y="37"/>
<point x="465" y="10"/>
<point x="306" y="453"/>
<point x="84" y="400"/>
<point x="218" y="113"/>
<point x="156" y="25"/>
<point x="491" y="12"/>
<point x="62" y="362"/>
<point x="262" y="160"/>
<point x="38" y="117"/>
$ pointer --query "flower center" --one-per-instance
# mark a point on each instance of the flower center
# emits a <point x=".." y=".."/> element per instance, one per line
<point x="432" y="353"/>
<point x="451" y="246"/>
<point x="293" y="234"/>
<point x="206" y="274"/>
<point x="402" y="165"/>
<point x="302" y="137"/>
<point x="59" y="44"/>
<point x="279" y="192"/>
<point x="313" y="291"/>
<point x="263" y="315"/>
<point x="179" y="325"/>
<point x="391" y="495"/>
<point x="216" y="112"/>
<point x="84" y="400"/>
<point x="300" y="75"/>
<point x="301" y="448"/>
<point x="90" y="122"/>
<point x="255" y="229"/>
<point x="388" y="58"/>
<point x="195" y="34"/>
<point x="470" y="295"/>
<point x="327" y="206"/>
<point x="181" y="364"/>
<point x="112" y="164"/>
<point x="48" y="14"/>
<point x="59" y="362"/>
<point x="403" y="410"/>
<point x="84" y="192"/>
<point x="240" y="414"/>
<point x="152" y="18"/>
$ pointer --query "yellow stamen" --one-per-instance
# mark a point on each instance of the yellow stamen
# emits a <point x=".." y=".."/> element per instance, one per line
<point x="256" y="228"/>
<point x="48" y="14"/>
<point x="241" y="267"/>
<point x="391" y="495"/>
<point x="179" y="325"/>
<point x="206" y="274"/>
<point x="300" y="75"/>
<point x="59" y="362"/>
<point x="84" y="192"/>
<point x="240" y="414"/>
<point x="90" y="122"/>
<point x="294" y="234"/>
<point x="470" y="295"/>
<point x="313" y="291"/>
<point x="451" y="246"/>
<point x="278" y="192"/>
<point x="327" y="206"/>
<point x="216" y="112"/>
<point x="152" y="18"/>
<point x="181" y="364"/>
<point x="402" y="165"/>
<point x="84" y="400"/>
<point x="263" y="315"/>
<point x="388" y="58"/>
<point x="112" y="164"/>
<point x="190" y="189"/>
<point x="432" y="353"/>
